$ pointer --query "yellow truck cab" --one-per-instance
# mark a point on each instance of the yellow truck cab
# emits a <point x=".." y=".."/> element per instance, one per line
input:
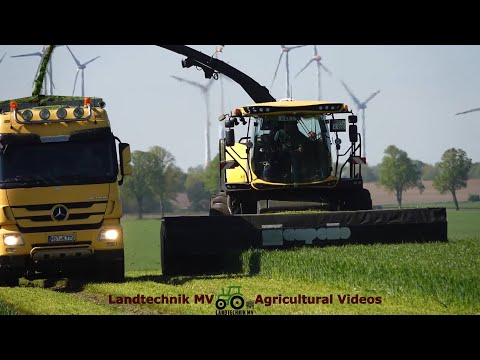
<point x="60" y="171"/>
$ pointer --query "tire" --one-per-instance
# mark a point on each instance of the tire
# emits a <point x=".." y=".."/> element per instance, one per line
<point x="9" y="282"/>
<point x="219" y="205"/>
<point x="220" y="304"/>
<point x="237" y="302"/>
<point x="364" y="200"/>
<point x="111" y="272"/>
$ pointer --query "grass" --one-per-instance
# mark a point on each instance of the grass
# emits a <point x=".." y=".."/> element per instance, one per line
<point x="432" y="278"/>
<point x="142" y="248"/>
<point x="463" y="205"/>
<point x="7" y="310"/>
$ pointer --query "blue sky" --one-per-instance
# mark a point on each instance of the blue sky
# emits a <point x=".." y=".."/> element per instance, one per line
<point x="422" y="87"/>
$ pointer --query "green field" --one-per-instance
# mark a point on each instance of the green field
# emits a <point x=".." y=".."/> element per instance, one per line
<point x="432" y="278"/>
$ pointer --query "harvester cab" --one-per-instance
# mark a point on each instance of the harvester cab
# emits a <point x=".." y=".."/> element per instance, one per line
<point x="283" y="159"/>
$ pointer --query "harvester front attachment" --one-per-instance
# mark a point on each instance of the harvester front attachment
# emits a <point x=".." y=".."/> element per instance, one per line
<point x="194" y="245"/>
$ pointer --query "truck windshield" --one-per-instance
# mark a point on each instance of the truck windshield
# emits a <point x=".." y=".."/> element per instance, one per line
<point x="291" y="149"/>
<point x="58" y="163"/>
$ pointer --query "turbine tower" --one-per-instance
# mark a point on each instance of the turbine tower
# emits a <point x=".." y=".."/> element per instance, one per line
<point x="285" y="50"/>
<point x="49" y="71"/>
<point x="221" y="132"/>
<point x="317" y="59"/>
<point x="205" y="89"/>
<point x="468" y="111"/>
<point x="361" y="106"/>
<point x="80" y="68"/>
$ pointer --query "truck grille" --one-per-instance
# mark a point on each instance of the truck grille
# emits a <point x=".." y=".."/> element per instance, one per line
<point x="39" y="218"/>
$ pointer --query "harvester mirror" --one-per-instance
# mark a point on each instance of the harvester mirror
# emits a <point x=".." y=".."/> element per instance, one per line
<point x="222" y="117"/>
<point x="352" y="119"/>
<point x="249" y="144"/>
<point x="353" y="133"/>
<point x="338" y="125"/>
<point x="229" y="137"/>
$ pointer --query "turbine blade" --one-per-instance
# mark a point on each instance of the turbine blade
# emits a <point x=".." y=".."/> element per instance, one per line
<point x="2" y="58"/>
<point x="324" y="68"/>
<point x="209" y="84"/>
<point x="371" y="97"/>
<point x="74" y="58"/>
<point x="88" y="62"/>
<point x="468" y="111"/>
<point x="75" y="82"/>
<point x="354" y="98"/>
<point x="276" y="70"/>
<point x="308" y="63"/>
<point x="30" y="54"/>
<point x="193" y="83"/>
<point x="295" y="47"/>
<point x="315" y="51"/>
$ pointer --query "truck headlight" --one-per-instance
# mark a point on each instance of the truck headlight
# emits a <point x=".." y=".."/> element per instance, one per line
<point x="109" y="234"/>
<point x="13" y="240"/>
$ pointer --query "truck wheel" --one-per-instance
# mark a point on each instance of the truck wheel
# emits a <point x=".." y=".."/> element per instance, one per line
<point x="111" y="272"/>
<point x="9" y="282"/>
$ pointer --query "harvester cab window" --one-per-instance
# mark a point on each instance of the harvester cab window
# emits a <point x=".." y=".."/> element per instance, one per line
<point x="291" y="149"/>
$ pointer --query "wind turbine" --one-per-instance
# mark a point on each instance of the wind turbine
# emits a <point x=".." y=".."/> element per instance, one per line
<point x="468" y="111"/>
<point x="361" y="106"/>
<point x="285" y="50"/>
<point x="80" y="67"/>
<point x="317" y="59"/>
<point x="49" y="72"/>
<point x="205" y="89"/>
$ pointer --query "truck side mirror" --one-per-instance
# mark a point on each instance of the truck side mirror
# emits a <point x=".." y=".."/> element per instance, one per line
<point x="229" y="137"/>
<point x="125" y="159"/>
<point x="353" y="133"/>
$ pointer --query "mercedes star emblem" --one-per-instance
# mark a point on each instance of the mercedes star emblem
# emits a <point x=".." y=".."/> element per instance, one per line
<point x="59" y="213"/>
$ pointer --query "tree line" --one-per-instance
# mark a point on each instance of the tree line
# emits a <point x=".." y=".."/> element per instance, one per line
<point x="158" y="185"/>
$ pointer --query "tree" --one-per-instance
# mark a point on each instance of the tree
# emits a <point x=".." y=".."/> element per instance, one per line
<point x="429" y="172"/>
<point x="454" y="168"/>
<point x="163" y="175"/>
<point x="212" y="173"/>
<point x="474" y="172"/>
<point x="137" y="185"/>
<point x="198" y="195"/>
<point x="370" y="173"/>
<point x="399" y="173"/>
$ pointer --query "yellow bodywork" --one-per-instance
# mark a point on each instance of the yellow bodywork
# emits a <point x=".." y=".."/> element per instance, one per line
<point x="20" y="208"/>
<point x="238" y="152"/>
<point x="238" y="174"/>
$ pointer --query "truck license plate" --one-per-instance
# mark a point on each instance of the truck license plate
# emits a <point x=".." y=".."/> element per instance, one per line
<point x="60" y="238"/>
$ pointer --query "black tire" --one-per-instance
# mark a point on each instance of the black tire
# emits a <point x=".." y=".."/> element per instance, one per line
<point x="9" y="282"/>
<point x="111" y="272"/>
<point x="220" y="304"/>
<point x="363" y="200"/>
<point x="237" y="302"/>
<point x="218" y="205"/>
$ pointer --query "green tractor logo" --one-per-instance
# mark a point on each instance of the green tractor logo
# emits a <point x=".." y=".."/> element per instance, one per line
<point x="230" y="295"/>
